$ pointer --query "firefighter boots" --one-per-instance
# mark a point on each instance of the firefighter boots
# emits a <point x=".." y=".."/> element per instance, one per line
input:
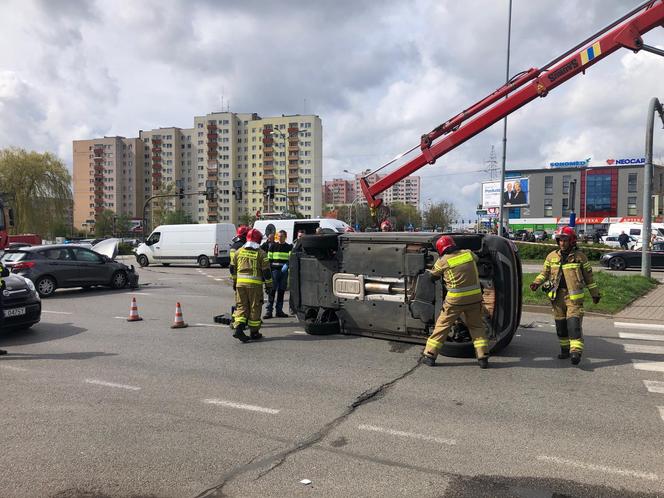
<point x="428" y="361"/>
<point x="575" y="339"/>
<point x="255" y="335"/>
<point x="563" y="338"/>
<point x="239" y="333"/>
<point x="484" y="362"/>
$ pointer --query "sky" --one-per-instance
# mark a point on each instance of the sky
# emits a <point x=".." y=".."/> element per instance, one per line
<point x="379" y="75"/>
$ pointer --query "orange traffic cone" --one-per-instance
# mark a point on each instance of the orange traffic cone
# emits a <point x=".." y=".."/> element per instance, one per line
<point x="178" y="322"/>
<point x="133" y="311"/>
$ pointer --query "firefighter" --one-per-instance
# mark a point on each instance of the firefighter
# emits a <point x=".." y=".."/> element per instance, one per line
<point x="458" y="268"/>
<point x="250" y="270"/>
<point x="278" y="255"/>
<point x="240" y="239"/>
<point x="565" y="274"/>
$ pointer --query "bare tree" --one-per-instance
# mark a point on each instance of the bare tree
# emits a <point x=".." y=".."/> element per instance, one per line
<point x="440" y="215"/>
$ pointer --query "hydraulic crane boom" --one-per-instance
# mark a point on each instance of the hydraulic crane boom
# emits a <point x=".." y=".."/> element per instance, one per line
<point x="623" y="33"/>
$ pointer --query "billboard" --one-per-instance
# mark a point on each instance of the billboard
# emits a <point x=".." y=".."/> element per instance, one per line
<point x="514" y="195"/>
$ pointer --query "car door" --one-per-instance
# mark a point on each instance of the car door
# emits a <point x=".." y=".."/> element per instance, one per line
<point x="657" y="255"/>
<point x="58" y="262"/>
<point x="90" y="268"/>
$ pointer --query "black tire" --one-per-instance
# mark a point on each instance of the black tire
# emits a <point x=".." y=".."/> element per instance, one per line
<point x="119" y="280"/>
<point x="142" y="260"/>
<point x="204" y="261"/>
<point x="46" y="286"/>
<point x="328" y="324"/>
<point x="617" y="263"/>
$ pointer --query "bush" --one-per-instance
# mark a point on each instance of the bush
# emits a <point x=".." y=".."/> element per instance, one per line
<point x="540" y="250"/>
<point x="125" y="249"/>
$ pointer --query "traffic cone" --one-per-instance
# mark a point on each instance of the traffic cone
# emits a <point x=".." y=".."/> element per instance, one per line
<point x="133" y="311"/>
<point x="178" y="322"/>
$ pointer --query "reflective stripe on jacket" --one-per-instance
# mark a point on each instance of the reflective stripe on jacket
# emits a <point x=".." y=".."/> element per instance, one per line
<point x="577" y="271"/>
<point x="459" y="271"/>
<point x="250" y="267"/>
<point x="279" y="254"/>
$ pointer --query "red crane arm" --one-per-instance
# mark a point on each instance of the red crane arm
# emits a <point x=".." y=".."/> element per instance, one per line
<point x="522" y="89"/>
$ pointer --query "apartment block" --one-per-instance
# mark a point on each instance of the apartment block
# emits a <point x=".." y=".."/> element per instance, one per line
<point x="107" y="174"/>
<point x="338" y="191"/>
<point x="406" y="191"/>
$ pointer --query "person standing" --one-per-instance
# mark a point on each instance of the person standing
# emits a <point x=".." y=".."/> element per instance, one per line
<point x="623" y="240"/>
<point x="278" y="257"/>
<point x="458" y="268"/>
<point x="266" y="245"/>
<point x="251" y="271"/>
<point x="565" y="275"/>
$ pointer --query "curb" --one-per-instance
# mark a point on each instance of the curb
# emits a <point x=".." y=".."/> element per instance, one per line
<point x="543" y="308"/>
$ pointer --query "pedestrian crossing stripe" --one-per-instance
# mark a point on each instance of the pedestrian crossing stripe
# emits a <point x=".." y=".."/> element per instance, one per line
<point x="590" y="53"/>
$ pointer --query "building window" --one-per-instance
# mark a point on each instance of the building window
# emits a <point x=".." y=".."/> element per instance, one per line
<point x="631" y="183"/>
<point x="566" y="179"/>
<point x="548" y="186"/>
<point x="548" y="207"/>
<point x="631" y="206"/>
<point x="598" y="193"/>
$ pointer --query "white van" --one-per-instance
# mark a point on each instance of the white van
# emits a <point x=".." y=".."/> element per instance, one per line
<point x="293" y="226"/>
<point x="634" y="229"/>
<point x="204" y="244"/>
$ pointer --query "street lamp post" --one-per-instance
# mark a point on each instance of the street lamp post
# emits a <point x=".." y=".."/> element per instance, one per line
<point x="655" y="106"/>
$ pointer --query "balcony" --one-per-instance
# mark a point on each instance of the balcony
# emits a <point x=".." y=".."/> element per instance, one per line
<point x="293" y="129"/>
<point x="267" y="131"/>
<point x="211" y="126"/>
<point x="99" y="159"/>
<point x="156" y="160"/>
<point x="293" y="192"/>
<point x="213" y="204"/>
<point x="156" y="150"/>
<point x="293" y="173"/>
<point x="212" y="153"/>
<point x="212" y="136"/>
<point x="293" y="163"/>
<point x="99" y="209"/>
<point x="98" y="151"/>
<point x="156" y="141"/>
<point x="268" y="140"/>
<point x="212" y="218"/>
<point x="293" y="148"/>
<point x="268" y="149"/>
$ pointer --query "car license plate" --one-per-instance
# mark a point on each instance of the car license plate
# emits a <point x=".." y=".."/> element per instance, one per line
<point x="14" y="312"/>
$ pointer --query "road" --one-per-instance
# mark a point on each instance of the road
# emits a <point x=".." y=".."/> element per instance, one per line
<point x="95" y="406"/>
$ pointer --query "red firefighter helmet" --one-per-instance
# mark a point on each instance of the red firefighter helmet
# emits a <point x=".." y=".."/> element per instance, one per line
<point x="444" y="243"/>
<point x="566" y="232"/>
<point x="386" y="226"/>
<point x="254" y="235"/>
<point x="242" y="231"/>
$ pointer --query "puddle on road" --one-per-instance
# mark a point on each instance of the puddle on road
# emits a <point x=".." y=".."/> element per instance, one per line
<point x="400" y="347"/>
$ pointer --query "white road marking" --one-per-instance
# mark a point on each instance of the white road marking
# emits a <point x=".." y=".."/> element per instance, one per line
<point x="209" y="276"/>
<point x="139" y="294"/>
<point x="599" y="468"/>
<point x="641" y="337"/>
<point x="661" y="411"/>
<point x="120" y="317"/>
<point x="643" y="326"/>
<point x="240" y="406"/>
<point x="111" y="384"/>
<point x="192" y="295"/>
<point x="208" y="325"/>
<point x="411" y="435"/>
<point x="642" y="348"/>
<point x="654" y="386"/>
<point x="650" y="366"/>
<point x="15" y="369"/>
<point x="299" y="332"/>
<point x="58" y="312"/>
<point x="219" y="279"/>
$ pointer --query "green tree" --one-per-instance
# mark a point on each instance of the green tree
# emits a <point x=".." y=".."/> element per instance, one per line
<point x="247" y="219"/>
<point x="440" y="215"/>
<point x="104" y="223"/>
<point x="38" y="187"/>
<point x="404" y="214"/>
<point x="178" y="217"/>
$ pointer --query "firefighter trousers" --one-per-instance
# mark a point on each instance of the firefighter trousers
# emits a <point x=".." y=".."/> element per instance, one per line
<point x="249" y="304"/>
<point x="568" y="314"/>
<point x="473" y="320"/>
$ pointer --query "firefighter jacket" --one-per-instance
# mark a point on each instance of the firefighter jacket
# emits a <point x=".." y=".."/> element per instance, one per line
<point x="237" y="245"/>
<point x="250" y="267"/>
<point x="278" y="254"/>
<point x="459" y="272"/>
<point x="575" y="269"/>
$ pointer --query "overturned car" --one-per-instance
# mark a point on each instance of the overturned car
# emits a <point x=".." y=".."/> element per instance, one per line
<point x="374" y="284"/>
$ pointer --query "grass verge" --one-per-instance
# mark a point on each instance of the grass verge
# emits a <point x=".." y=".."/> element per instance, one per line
<point x="617" y="292"/>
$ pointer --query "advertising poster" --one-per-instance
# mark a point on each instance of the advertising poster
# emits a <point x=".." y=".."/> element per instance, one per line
<point x="514" y="195"/>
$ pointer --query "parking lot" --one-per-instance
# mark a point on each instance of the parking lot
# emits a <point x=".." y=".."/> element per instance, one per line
<point x="94" y="405"/>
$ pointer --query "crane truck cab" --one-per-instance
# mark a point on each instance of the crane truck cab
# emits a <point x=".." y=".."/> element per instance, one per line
<point x="377" y="285"/>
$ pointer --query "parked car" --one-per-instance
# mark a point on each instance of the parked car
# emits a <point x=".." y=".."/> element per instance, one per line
<point x="67" y="265"/>
<point x="612" y="241"/>
<point x="18" y="245"/>
<point x="20" y="304"/>
<point x="541" y="235"/>
<point x="620" y="260"/>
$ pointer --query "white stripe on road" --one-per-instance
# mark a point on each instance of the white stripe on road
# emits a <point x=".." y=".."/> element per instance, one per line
<point x="240" y="406"/>
<point x="57" y="312"/>
<point x="650" y="366"/>
<point x="219" y="279"/>
<point x="15" y="369"/>
<point x="643" y="326"/>
<point x="210" y="276"/>
<point x="641" y="337"/>
<point x="208" y="325"/>
<point x="411" y="435"/>
<point x="111" y="384"/>
<point x="642" y="348"/>
<point x="661" y="411"/>
<point x="139" y="294"/>
<point x="299" y="332"/>
<point x="600" y="468"/>
<point x="654" y="386"/>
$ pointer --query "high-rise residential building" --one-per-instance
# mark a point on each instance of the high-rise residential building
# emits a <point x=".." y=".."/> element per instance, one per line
<point x="406" y="191"/>
<point x="107" y="174"/>
<point x="338" y="191"/>
<point x="253" y="164"/>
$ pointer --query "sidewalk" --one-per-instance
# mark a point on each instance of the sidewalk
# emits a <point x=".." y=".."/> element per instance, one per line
<point x="648" y="308"/>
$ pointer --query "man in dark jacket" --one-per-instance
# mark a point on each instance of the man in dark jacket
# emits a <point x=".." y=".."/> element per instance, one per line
<point x="623" y="240"/>
<point x="278" y="255"/>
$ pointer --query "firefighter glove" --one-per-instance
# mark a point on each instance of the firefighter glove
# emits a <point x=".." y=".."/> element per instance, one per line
<point x="596" y="299"/>
<point x="534" y="286"/>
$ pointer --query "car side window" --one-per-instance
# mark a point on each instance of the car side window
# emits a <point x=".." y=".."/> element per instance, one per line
<point x="85" y="255"/>
<point x="154" y="238"/>
<point x="57" y="254"/>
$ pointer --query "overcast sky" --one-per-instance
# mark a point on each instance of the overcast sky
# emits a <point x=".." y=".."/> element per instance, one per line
<point x="378" y="73"/>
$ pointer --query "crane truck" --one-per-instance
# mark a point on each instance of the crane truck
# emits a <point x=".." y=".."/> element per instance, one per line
<point x="376" y="284"/>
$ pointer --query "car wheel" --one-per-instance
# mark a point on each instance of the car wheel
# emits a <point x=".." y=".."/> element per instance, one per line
<point x="45" y="286"/>
<point x="204" y="262"/>
<point x="143" y="260"/>
<point x="617" y="263"/>
<point x="119" y="280"/>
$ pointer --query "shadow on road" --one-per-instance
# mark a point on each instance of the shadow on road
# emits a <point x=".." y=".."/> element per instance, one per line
<point x="81" y="355"/>
<point x="42" y="332"/>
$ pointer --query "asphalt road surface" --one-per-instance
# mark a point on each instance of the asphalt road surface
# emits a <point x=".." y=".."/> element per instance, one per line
<point x="95" y="406"/>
